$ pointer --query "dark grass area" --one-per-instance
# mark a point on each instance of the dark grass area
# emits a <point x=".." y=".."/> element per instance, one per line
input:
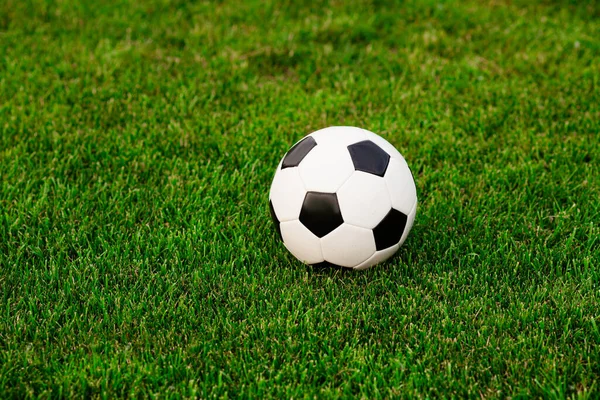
<point x="137" y="145"/>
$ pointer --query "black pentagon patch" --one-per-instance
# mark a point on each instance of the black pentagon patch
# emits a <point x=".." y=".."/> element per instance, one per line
<point x="321" y="213"/>
<point x="298" y="152"/>
<point x="390" y="229"/>
<point x="368" y="157"/>
<point x="275" y="219"/>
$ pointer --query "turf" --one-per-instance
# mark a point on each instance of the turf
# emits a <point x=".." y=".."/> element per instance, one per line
<point x="137" y="145"/>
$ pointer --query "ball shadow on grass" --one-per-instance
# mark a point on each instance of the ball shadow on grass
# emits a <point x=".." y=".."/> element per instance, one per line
<point x="328" y="268"/>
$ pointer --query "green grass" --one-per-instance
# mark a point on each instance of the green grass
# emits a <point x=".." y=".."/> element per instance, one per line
<point x="137" y="145"/>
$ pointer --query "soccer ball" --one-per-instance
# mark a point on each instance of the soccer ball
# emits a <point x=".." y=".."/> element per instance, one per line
<point x="343" y="196"/>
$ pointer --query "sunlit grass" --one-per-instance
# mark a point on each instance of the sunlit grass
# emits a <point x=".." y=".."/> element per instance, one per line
<point x="137" y="146"/>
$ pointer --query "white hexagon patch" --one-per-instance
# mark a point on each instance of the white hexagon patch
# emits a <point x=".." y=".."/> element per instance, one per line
<point x="301" y="242"/>
<point x="401" y="185"/>
<point x="348" y="246"/>
<point x="364" y="200"/>
<point x="287" y="194"/>
<point x="326" y="168"/>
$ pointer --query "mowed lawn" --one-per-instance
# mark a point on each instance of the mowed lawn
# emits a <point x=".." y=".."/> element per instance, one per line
<point x="138" y="141"/>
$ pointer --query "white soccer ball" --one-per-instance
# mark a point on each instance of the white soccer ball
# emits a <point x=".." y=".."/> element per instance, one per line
<point x="343" y="196"/>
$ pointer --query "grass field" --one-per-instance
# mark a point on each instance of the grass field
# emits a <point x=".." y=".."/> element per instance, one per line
<point x="138" y="142"/>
